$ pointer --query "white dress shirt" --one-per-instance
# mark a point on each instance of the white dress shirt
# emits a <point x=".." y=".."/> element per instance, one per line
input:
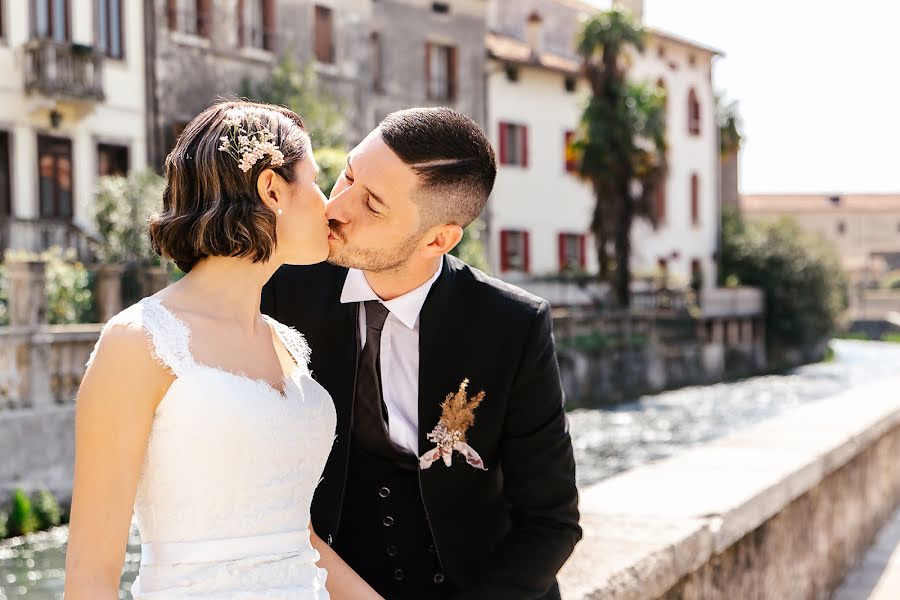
<point x="399" y="353"/>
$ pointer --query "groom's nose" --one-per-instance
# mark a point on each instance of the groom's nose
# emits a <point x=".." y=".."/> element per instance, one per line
<point x="336" y="208"/>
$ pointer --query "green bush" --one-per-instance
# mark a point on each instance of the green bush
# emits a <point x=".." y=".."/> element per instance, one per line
<point x="46" y="509"/>
<point x="22" y="519"/>
<point x="4" y="525"/>
<point x="852" y="335"/>
<point x="122" y="208"/>
<point x="890" y="337"/>
<point x="331" y="162"/>
<point x="68" y="288"/>
<point x="471" y="248"/>
<point x="804" y="285"/>
<point x="891" y="281"/>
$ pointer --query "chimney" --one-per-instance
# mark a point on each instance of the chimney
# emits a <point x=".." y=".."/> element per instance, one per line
<point x="533" y="31"/>
<point x="635" y="6"/>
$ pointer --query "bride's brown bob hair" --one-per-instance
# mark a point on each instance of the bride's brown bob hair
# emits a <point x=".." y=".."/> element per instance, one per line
<point x="210" y="206"/>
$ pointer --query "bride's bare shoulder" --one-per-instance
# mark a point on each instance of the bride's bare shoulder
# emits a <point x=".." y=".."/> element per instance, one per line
<point x="124" y="358"/>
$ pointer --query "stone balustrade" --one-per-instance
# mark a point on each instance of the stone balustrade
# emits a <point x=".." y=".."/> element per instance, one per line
<point x="780" y="510"/>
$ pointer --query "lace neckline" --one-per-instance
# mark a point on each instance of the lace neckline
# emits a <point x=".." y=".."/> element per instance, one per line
<point x="187" y="355"/>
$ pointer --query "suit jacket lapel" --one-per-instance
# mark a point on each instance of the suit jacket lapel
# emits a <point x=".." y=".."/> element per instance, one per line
<point x="438" y="337"/>
<point x="337" y="369"/>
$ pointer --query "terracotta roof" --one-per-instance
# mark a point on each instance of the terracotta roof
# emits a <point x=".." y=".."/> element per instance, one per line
<point x="682" y="41"/>
<point x="510" y="49"/>
<point x="808" y="203"/>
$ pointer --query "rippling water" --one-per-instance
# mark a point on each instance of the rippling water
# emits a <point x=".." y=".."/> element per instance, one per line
<point x="606" y="441"/>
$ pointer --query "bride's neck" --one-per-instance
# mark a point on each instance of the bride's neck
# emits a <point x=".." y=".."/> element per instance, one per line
<point x="224" y="287"/>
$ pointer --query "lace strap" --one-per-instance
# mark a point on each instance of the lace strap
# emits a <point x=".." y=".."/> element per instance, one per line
<point x="170" y="338"/>
<point x="294" y="342"/>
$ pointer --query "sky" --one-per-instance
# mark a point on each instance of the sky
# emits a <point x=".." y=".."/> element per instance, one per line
<point x="817" y="82"/>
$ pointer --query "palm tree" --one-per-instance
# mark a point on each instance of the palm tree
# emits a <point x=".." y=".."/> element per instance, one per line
<point x="622" y="141"/>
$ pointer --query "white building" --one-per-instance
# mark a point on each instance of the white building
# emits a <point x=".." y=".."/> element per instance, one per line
<point x="540" y="211"/>
<point x="72" y="107"/>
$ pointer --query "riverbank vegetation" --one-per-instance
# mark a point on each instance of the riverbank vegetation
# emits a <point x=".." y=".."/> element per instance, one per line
<point x="23" y="514"/>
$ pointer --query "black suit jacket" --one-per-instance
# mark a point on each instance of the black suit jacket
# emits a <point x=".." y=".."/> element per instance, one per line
<point x="502" y="533"/>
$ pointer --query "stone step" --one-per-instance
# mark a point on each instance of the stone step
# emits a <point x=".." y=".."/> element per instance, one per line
<point x="877" y="576"/>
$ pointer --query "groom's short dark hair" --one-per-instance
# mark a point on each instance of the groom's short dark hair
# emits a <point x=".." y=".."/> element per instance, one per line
<point x="452" y="157"/>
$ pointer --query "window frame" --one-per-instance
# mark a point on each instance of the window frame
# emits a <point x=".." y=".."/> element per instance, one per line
<point x="520" y="157"/>
<point x="580" y="263"/>
<point x="506" y="238"/>
<point x="49" y="4"/>
<point x="449" y="93"/>
<point x="105" y="45"/>
<point x="319" y="12"/>
<point x="46" y="145"/>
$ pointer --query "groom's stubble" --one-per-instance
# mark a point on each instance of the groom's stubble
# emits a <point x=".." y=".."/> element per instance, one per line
<point x="369" y="259"/>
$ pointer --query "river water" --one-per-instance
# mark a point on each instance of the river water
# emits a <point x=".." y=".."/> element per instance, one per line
<point x="606" y="442"/>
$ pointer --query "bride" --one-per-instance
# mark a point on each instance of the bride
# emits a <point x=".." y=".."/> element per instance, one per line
<point x="198" y="413"/>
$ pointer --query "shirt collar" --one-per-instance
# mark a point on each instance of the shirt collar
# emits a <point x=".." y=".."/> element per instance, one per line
<point x="406" y="307"/>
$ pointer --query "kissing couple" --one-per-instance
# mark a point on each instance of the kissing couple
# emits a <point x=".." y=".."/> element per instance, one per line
<point x="328" y="404"/>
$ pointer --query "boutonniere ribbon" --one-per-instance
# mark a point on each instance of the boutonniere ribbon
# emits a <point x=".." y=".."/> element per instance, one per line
<point x="457" y="416"/>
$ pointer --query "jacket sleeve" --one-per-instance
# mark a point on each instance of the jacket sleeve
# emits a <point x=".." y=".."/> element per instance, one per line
<point x="539" y="478"/>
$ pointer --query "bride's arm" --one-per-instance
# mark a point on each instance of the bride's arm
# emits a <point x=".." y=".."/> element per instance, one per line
<point x="113" y="414"/>
<point x="342" y="583"/>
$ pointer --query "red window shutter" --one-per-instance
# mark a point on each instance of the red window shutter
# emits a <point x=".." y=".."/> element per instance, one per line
<point x="503" y="141"/>
<point x="504" y="251"/>
<point x="428" y="69"/>
<point x="561" y="240"/>
<point x="172" y="14"/>
<point x="269" y="36"/>
<point x="452" y="61"/>
<point x="526" y="245"/>
<point x="524" y="134"/>
<point x="582" y="251"/>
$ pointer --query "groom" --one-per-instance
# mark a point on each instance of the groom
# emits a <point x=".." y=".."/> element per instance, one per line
<point x="396" y="325"/>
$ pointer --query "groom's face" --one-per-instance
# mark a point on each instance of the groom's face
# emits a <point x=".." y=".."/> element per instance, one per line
<point x="375" y="224"/>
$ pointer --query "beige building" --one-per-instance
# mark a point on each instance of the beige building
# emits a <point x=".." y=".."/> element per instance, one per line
<point x="863" y="228"/>
<point x="540" y="211"/>
<point x="72" y="106"/>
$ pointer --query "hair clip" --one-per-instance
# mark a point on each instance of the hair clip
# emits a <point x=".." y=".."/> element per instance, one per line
<point x="248" y="141"/>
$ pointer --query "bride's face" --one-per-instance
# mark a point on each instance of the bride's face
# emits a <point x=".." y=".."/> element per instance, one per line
<point x="301" y="227"/>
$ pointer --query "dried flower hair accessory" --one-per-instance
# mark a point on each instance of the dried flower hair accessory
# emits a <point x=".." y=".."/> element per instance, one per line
<point x="457" y="416"/>
<point x="248" y="141"/>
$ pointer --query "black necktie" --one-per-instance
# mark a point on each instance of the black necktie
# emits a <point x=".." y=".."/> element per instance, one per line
<point x="370" y="413"/>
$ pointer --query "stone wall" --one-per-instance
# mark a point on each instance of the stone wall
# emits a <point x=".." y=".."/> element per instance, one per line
<point x="605" y="359"/>
<point x="37" y="447"/>
<point x="779" y="510"/>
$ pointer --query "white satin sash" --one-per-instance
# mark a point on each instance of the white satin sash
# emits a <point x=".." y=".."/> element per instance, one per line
<point x="168" y="553"/>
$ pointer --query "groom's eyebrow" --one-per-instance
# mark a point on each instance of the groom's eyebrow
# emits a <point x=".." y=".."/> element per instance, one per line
<point x="372" y="194"/>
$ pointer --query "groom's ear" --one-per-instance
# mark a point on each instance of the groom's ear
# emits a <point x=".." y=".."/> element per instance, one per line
<point x="444" y="238"/>
<point x="266" y="187"/>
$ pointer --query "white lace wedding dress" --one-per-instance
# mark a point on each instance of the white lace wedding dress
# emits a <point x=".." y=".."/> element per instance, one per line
<point x="228" y="476"/>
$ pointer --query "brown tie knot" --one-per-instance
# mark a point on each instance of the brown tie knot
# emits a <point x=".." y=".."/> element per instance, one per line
<point x="376" y="314"/>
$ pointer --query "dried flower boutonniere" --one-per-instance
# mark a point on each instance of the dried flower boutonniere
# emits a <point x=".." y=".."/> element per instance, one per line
<point x="248" y="141"/>
<point x="457" y="415"/>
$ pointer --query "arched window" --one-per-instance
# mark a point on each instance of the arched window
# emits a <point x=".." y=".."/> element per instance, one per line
<point x="693" y="113"/>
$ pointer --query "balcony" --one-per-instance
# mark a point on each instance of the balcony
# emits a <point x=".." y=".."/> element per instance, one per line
<point x="63" y="70"/>
<point x="37" y="235"/>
